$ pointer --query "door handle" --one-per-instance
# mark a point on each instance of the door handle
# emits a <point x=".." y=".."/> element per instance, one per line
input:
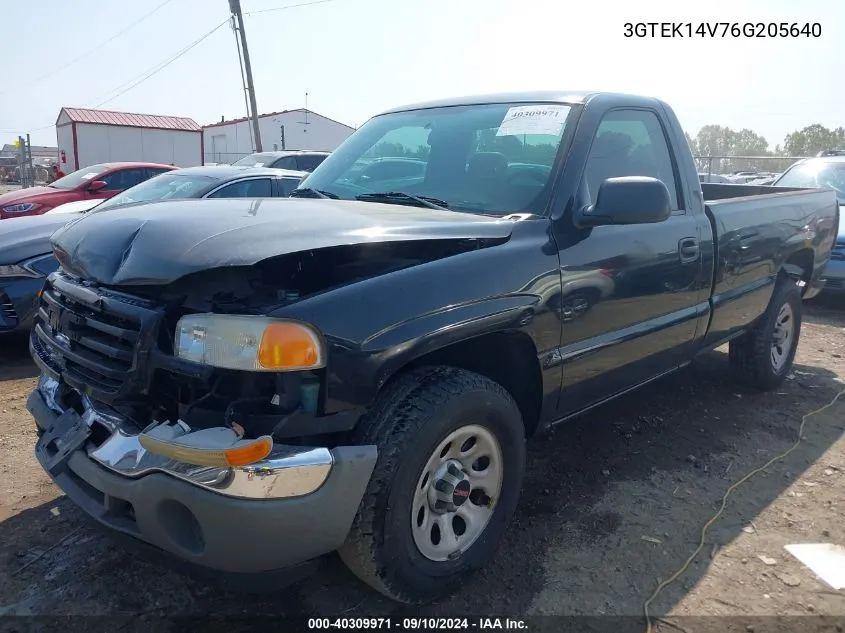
<point x="688" y="250"/>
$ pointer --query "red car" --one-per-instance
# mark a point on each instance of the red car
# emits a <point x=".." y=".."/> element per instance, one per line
<point x="97" y="181"/>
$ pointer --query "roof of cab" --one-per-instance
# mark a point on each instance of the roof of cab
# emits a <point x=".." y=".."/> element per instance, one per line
<point x="573" y="97"/>
<point x="225" y="172"/>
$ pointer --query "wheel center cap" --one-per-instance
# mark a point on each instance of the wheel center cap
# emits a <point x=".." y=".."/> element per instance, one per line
<point x="450" y="488"/>
<point x="461" y="493"/>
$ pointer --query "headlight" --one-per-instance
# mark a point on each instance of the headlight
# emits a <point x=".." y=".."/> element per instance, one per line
<point x="250" y="343"/>
<point x="16" y="270"/>
<point x="22" y="207"/>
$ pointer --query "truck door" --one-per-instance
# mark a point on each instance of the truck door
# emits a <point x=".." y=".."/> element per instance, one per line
<point x="630" y="293"/>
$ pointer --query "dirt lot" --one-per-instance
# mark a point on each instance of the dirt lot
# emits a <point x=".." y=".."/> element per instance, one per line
<point x="613" y="502"/>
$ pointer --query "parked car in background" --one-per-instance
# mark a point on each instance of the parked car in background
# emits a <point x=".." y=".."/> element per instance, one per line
<point x="702" y="177"/>
<point x="827" y="171"/>
<point x="95" y="182"/>
<point x="79" y="206"/>
<point x="766" y="180"/>
<point x="219" y="181"/>
<point x="747" y="177"/>
<point x="25" y="254"/>
<point x="358" y="368"/>
<point x="298" y="160"/>
<point x="25" y="261"/>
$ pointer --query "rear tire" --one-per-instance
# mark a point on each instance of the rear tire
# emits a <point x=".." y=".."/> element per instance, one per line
<point x="763" y="357"/>
<point x="412" y="423"/>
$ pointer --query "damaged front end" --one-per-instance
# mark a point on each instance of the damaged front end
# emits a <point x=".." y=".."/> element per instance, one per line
<point x="165" y="375"/>
<point x="184" y="397"/>
<point x="163" y="388"/>
<point x="215" y="465"/>
<point x="162" y="343"/>
<point x="114" y="442"/>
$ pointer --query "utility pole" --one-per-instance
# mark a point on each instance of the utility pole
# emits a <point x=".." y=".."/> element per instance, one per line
<point x="29" y="168"/>
<point x="235" y="7"/>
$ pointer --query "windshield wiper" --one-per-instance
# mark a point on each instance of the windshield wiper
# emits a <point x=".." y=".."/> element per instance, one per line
<point x="406" y="198"/>
<point x="312" y="193"/>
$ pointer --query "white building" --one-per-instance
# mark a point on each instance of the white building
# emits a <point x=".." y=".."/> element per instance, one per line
<point x="227" y="141"/>
<point x="87" y="137"/>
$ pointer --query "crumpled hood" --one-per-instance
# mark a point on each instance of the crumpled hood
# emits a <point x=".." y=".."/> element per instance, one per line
<point x="28" y="236"/>
<point x="159" y="242"/>
<point x="26" y="195"/>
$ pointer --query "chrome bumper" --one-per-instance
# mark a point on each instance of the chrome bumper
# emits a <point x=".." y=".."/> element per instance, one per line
<point x="289" y="471"/>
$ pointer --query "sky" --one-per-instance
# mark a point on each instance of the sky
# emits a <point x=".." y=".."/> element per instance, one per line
<point x="358" y="57"/>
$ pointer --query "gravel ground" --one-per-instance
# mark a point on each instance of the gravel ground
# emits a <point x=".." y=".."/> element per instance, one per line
<point x="613" y="503"/>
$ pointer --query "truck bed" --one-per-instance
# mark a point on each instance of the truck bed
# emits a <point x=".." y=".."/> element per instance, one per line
<point x="758" y="229"/>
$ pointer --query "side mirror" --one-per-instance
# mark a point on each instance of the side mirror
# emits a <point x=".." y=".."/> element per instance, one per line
<point x="96" y="185"/>
<point x="627" y="200"/>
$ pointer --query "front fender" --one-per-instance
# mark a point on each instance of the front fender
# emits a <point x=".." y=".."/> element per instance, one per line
<point x="401" y="344"/>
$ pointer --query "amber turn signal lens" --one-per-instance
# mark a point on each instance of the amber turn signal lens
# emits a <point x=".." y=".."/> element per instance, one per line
<point x="249" y="454"/>
<point x="243" y="455"/>
<point x="289" y="346"/>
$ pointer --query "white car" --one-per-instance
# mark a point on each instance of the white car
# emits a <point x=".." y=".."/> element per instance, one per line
<point x="80" y="206"/>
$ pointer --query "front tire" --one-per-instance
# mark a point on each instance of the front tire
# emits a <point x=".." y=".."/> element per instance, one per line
<point x="445" y="486"/>
<point x="763" y="357"/>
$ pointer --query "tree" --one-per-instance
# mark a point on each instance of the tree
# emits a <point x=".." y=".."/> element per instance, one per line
<point x="812" y="139"/>
<point x="723" y="142"/>
<point x="747" y="143"/>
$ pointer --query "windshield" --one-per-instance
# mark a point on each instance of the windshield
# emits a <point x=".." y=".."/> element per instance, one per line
<point x="256" y="160"/>
<point x="816" y="173"/>
<point x="73" y="180"/>
<point x="162" y="187"/>
<point x="494" y="159"/>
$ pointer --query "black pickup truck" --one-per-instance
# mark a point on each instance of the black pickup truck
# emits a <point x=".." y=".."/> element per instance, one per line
<point x="251" y="384"/>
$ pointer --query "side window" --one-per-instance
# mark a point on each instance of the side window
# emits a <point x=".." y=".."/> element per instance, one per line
<point x="630" y="143"/>
<point x="308" y="163"/>
<point x="401" y="154"/>
<point x="390" y="168"/>
<point x="286" y="185"/>
<point x="288" y="162"/>
<point x="155" y="171"/>
<point x="124" y="178"/>
<point x="254" y="188"/>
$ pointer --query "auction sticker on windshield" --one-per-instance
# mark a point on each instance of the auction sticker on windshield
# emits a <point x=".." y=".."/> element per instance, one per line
<point x="533" y="119"/>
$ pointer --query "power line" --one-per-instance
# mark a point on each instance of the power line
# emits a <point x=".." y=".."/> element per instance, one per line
<point x="55" y="71"/>
<point x="142" y="77"/>
<point x="289" y="6"/>
<point x="147" y="74"/>
<point x="158" y="67"/>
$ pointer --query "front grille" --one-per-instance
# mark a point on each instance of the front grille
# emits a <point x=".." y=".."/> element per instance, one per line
<point x="96" y="340"/>
<point x="838" y="252"/>
<point x="834" y="284"/>
<point x="8" y="312"/>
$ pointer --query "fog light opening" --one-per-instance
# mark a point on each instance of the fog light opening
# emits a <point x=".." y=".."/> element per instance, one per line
<point x="181" y="526"/>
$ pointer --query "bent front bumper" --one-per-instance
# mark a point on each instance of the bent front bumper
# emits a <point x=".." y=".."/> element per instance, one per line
<point x="295" y="506"/>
